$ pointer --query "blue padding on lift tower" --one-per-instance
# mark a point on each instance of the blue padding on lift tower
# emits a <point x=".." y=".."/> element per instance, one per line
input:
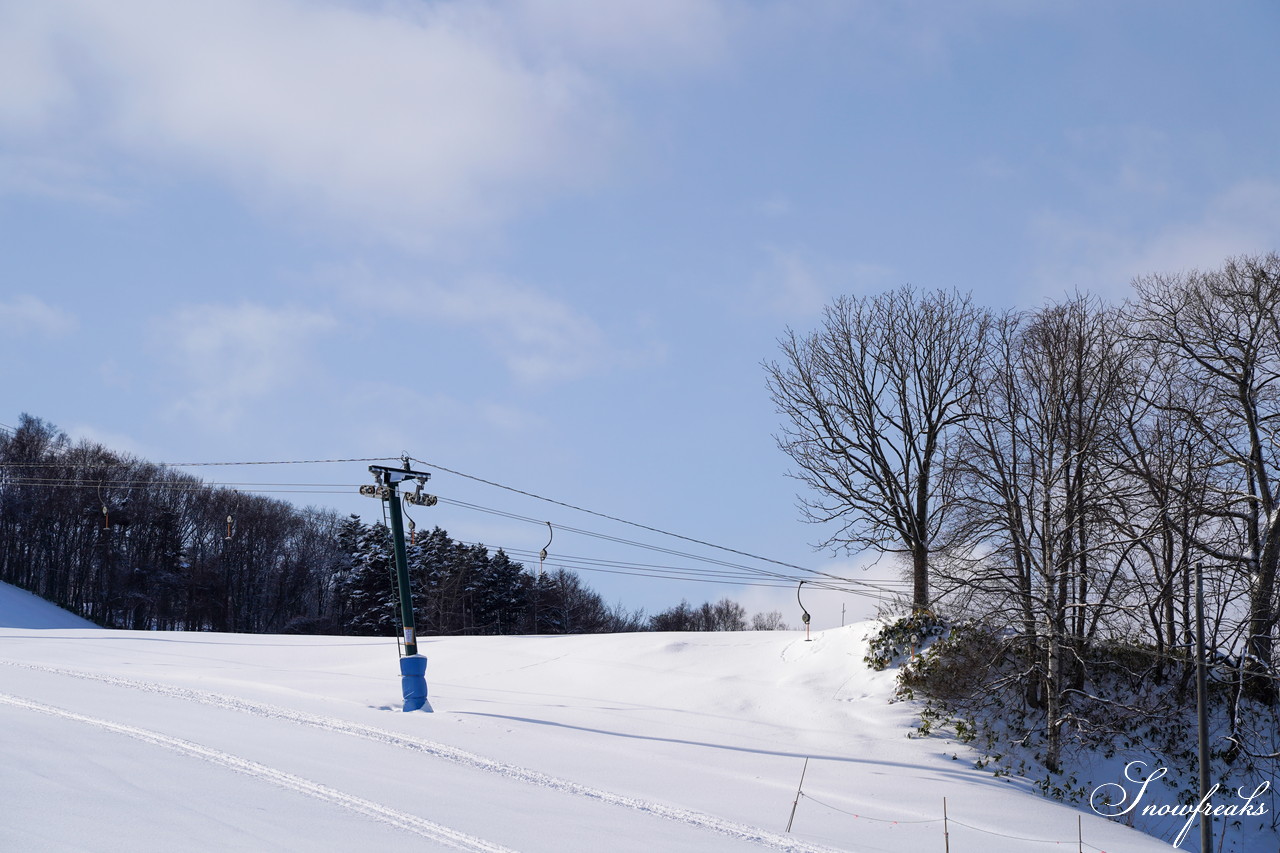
<point x="413" y="681"/>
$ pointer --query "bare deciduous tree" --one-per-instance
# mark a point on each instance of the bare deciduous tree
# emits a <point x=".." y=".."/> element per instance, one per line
<point x="770" y="621"/>
<point x="1219" y="332"/>
<point x="870" y="401"/>
<point x="1039" y="506"/>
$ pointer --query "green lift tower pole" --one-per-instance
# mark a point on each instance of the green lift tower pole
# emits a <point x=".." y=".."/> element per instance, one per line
<point x="412" y="665"/>
<point x="402" y="569"/>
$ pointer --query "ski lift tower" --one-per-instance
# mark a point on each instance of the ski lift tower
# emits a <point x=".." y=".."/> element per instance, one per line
<point x="413" y="666"/>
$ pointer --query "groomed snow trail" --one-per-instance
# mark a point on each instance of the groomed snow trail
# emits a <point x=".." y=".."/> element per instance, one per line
<point x="688" y="817"/>
<point x="401" y="820"/>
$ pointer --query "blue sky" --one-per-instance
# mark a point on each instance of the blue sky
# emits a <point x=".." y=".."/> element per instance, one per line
<point x="550" y="243"/>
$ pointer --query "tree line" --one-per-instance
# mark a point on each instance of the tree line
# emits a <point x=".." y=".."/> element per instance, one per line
<point x="131" y="544"/>
<point x="1057" y="474"/>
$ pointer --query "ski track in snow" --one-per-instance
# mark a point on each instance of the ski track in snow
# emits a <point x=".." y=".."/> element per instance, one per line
<point x="401" y="820"/>
<point x="689" y="817"/>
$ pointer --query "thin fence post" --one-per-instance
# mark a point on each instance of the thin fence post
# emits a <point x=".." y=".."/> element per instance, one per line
<point x="797" y="799"/>
<point x="946" y="830"/>
<point x="1079" y="833"/>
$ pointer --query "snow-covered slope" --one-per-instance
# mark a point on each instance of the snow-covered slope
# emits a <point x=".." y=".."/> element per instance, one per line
<point x="21" y="609"/>
<point x="129" y="741"/>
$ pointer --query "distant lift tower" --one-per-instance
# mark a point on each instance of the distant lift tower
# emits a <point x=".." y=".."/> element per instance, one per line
<point x="413" y="666"/>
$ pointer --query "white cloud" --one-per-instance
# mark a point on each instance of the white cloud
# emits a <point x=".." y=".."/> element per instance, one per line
<point x="790" y="285"/>
<point x="383" y="415"/>
<point x="405" y="121"/>
<point x="775" y="207"/>
<point x="794" y="284"/>
<point x="29" y="55"/>
<point x="27" y="315"/>
<point x="55" y="175"/>
<point x="117" y="442"/>
<point x="649" y="36"/>
<point x="542" y="339"/>
<point x="1241" y="220"/>
<point x="228" y="357"/>
<point x="508" y="419"/>
<point x="538" y="338"/>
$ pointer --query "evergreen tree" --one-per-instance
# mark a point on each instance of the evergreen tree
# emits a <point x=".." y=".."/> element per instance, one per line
<point x="499" y="596"/>
<point x="371" y="597"/>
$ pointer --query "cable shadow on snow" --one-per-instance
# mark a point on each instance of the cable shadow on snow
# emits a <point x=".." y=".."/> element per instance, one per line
<point x="960" y="772"/>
